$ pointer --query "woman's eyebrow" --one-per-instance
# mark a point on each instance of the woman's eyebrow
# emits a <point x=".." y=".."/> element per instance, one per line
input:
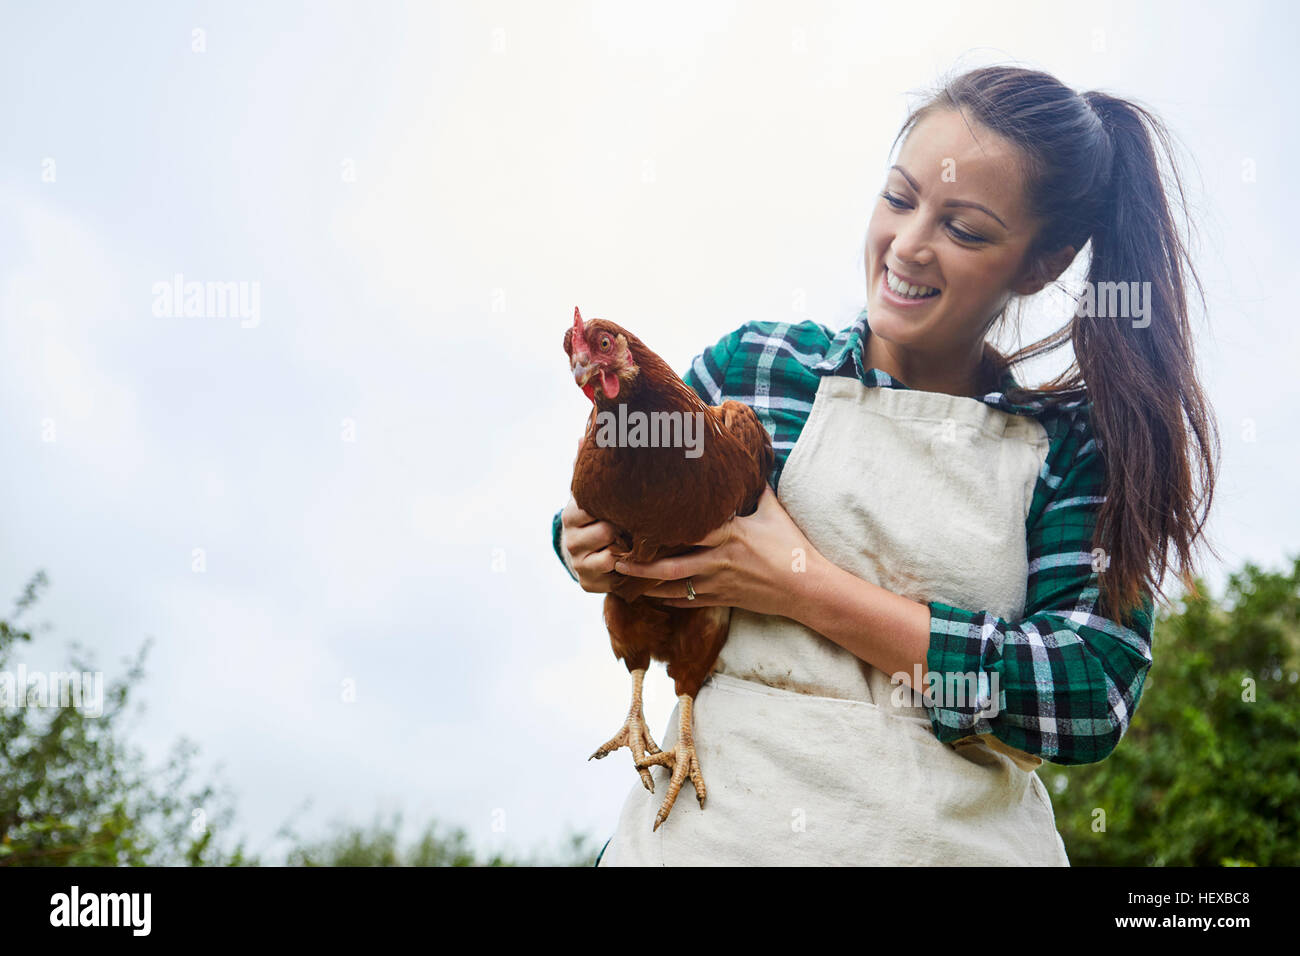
<point x="951" y="202"/>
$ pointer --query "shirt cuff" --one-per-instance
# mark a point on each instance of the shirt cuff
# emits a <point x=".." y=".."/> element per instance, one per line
<point x="965" y="700"/>
<point x="556" y="533"/>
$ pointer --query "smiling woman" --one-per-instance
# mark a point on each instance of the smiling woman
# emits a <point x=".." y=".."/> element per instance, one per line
<point x="951" y="223"/>
<point x="931" y="515"/>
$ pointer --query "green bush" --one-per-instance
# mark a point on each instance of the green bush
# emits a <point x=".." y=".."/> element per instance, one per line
<point x="353" y="845"/>
<point x="72" y="793"/>
<point x="1208" y="773"/>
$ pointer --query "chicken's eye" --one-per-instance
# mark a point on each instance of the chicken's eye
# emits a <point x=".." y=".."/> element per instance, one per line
<point x="604" y="343"/>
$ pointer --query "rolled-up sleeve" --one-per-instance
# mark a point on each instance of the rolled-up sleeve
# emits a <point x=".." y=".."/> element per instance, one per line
<point x="557" y="531"/>
<point x="1067" y="680"/>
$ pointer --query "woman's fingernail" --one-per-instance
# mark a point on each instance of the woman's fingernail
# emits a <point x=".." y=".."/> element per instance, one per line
<point x="620" y="567"/>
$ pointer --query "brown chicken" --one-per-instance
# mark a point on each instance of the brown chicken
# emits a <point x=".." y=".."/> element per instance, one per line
<point x="664" y="468"/>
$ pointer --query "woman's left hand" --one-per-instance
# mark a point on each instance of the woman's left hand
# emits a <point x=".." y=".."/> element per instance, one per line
<point x="758" y="563"/>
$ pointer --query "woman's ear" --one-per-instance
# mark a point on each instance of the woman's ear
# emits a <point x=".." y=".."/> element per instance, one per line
<point x="1044" y="269"/>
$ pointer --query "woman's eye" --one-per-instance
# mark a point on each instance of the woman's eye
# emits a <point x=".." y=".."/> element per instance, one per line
<point x="964" y="236"/>
<point x="959" y="234"/>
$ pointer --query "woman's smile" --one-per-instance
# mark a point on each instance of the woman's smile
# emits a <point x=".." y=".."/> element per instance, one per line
<point x="890" y="286"/>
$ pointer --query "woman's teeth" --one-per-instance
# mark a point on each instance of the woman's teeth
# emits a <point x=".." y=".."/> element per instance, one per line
<point x="908" y="291"/>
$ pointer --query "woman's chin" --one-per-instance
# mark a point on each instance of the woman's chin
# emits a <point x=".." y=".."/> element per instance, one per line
<point x="886" y="323"/>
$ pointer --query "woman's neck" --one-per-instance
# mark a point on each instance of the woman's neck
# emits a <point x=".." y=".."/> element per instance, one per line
<point x="970" y="376"/>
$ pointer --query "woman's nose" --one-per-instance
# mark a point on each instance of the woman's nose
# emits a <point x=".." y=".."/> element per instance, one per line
<point x="912" y="243"/>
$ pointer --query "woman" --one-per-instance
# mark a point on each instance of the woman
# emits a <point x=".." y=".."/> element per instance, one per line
<point x="934" y="525"/>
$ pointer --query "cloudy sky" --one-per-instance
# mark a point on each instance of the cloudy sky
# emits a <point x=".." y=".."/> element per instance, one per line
<point x="346" y="491"/>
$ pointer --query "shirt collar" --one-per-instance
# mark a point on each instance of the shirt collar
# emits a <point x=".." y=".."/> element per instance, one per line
<point x="848" y="347"/>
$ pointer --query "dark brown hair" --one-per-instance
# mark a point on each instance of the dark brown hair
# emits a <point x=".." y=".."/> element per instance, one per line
<point x="1092" y="176"/>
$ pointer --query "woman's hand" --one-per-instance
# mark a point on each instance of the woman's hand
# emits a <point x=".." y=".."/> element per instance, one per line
<point x="586" y="542"/>
<point x="757" y="563"/>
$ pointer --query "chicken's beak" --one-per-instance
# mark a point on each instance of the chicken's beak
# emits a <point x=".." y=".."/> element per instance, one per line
<point x="583" y="369"/>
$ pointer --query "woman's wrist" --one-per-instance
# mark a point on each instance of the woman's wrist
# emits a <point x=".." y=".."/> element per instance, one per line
<point x="800" y="592"/>
<point x="811" y="592"/>
<point x="564" y="553"/>
<point x="889" y="632"/>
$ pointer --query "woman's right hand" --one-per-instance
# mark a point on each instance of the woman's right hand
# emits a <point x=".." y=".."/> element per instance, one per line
<point x="586" y="542"/>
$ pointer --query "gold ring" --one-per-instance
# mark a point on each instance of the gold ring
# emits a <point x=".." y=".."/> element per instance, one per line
<point x="690" y="591"/>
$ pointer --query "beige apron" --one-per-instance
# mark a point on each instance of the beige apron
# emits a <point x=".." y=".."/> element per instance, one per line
<point x="807" y="757"/>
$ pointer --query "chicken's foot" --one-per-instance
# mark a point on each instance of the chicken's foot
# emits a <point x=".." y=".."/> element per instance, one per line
<point x="681" y="760"/>
<point x="635" y="735"/>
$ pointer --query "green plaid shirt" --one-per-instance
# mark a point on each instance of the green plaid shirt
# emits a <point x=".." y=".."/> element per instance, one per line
<point x="1069" y="679"/>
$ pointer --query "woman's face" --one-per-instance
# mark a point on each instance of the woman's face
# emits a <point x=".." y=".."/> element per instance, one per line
<point x="955" y="221"/>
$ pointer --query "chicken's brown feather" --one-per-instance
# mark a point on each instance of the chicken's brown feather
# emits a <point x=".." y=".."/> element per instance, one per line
<point x="663" y="503"/>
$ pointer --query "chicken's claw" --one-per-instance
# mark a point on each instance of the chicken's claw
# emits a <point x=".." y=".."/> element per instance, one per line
<point x="635" y="735"/>
<point x="681" y="760"/>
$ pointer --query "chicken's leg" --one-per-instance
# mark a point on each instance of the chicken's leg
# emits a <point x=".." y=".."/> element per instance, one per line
<point x="681" y="760"/>
<point x="635" y="735"/>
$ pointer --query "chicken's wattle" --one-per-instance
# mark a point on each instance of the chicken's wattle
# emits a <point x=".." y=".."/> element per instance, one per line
<point x="610" y="384"/>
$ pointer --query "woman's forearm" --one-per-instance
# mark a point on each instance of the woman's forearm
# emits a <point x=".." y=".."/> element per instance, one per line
<point x="746" y="563"/>
<point x="889" y="632"/>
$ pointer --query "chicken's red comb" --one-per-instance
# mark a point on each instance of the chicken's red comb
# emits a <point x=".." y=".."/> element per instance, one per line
<point x="577" y="322"/>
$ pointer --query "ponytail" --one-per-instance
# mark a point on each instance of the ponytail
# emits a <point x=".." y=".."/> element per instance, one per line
<point x="1140" y="369"/>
